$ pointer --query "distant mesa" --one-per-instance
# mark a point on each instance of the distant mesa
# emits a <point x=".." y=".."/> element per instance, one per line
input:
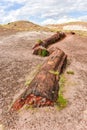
<point x="29" y="26"/>
<point x="75" y="27"/>
<point x="82" y="26"/>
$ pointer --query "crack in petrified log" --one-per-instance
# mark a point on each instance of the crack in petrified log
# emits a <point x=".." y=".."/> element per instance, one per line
<point x="43" y="89"/>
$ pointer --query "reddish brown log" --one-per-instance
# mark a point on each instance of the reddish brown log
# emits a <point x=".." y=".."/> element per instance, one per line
<point x="36" y="45"/>
<point x="43" y="90"/>
<point x="54" y="38"/>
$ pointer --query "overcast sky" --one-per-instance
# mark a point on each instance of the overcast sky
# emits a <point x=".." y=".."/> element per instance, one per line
<point x="43" y="11"/>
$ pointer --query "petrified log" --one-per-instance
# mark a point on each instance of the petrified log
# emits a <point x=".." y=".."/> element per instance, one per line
<point x="54" y="38"/>
<point x="41" y="51"/>
<point x="43" y="89"/>
<point x="36" y="45"/>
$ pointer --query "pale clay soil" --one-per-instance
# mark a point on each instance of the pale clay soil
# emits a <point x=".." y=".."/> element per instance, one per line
<point x="17" y="64"/>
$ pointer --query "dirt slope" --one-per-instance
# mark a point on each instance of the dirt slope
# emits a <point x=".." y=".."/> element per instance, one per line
<point x="24" y="26"/>
<point x="60" y="26"/>
<point x="16" y="66"/>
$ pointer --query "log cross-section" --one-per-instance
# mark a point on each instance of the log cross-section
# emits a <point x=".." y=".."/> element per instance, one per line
<point x="43" y="89"/>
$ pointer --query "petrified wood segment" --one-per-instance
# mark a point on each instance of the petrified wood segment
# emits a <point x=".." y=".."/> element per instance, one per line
<point x="41" y="51"/>
<point x="43" y="90"/>
<point x="54" y="38"/>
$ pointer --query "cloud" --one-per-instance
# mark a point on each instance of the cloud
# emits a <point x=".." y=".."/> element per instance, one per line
<point x="64" y="19"/>
<point x="43" y="12"/>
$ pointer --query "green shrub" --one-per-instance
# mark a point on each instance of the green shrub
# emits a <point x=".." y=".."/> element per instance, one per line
<point x="54" y="72"/>
<point x="45" y="53"/>
<point x="62" y="82"/>
<point x="61" y="101"/>
<point x="70" y="72"/>
<point x="39" y="41"/>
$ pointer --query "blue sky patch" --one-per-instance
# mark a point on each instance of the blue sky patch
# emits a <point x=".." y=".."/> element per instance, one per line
<point x="14" y="7"/>
<point x="45" y="12"/>
<point x="76" y="14"/>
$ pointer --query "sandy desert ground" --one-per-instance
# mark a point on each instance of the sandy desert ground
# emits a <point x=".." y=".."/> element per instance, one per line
<point x="17" y="65"/>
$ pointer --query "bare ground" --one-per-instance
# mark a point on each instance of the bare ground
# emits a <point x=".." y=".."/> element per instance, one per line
<point x="16" y="65"/>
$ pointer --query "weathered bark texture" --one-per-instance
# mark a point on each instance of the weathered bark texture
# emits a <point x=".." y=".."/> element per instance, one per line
<point x="43" y="90"/>
<point x="54" y="38"/>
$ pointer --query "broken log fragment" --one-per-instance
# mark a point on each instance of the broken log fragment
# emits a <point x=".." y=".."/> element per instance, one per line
<point x="36" y="45"/>
<point x="43" y="89"/>
<point x="41" y="51"/>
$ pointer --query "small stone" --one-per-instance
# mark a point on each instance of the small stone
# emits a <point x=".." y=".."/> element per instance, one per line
<point x="73" y="33"/>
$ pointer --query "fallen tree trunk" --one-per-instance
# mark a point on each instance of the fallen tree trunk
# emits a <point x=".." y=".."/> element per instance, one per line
<point x="54" y="38"/>
<point x="43" y="90"/>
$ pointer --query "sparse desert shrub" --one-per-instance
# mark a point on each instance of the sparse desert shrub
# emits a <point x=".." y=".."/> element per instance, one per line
<point x="39" y="41"/>
<point x="62" y="82"/>
<point x="41" y="51"/>
<point x="61" y="101"/>
<point x="54" y="72"/>
<point x="70" y="72"/>
<point x="44" y="53"/>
